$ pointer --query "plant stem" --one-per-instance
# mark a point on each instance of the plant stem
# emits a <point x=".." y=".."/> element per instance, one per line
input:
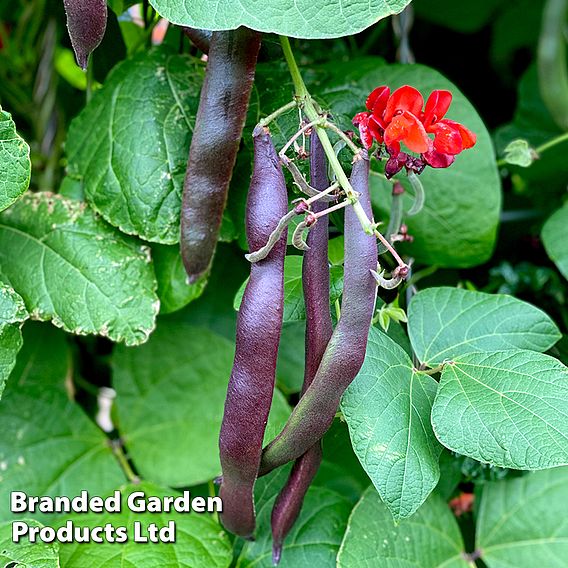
<point x="542" y="148"/>
<point x="352" y="146"/>
<point x="272" y="116"/>
<point x="313" y="115"/>
<point x="117" y="451"/>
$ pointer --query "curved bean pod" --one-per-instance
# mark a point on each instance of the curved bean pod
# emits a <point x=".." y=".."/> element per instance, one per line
<point x="315" y="280"/>
<point x="86" y="23"/>
<point x="200" y="38"/>
<point x="344" y="356"/>
<point x="214" y="144"/>
<point x="249" y="394"/>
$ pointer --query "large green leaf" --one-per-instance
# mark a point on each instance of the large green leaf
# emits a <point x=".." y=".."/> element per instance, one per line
<point x="507" y="408"/>
<point x="72" y="268"/>
<point x="555" y="239"/>
<point x="303" y="18"/>
<point x="12" y="313"/>
<point x="173" y="289"/>
<point x="130" y="143"/>
<point x="431" y="539"/>
<point x="200" y="541"/>
<point x="48" y="445"/>
<point x="387" y="408"/>
<point x="522" y="522"/>
<point x="315" y="538"/>
<point x="451" y="322"/>
<point x="15" y="164"/>
<point x="26" y="554"/>
<point x="170" y="399"/>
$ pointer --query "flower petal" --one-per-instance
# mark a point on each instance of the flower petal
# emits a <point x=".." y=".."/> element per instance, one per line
<point x="407" y="128"/>
<point x="438" y="160"/>
<point x="361" y="119"/>
<point x="468" y="137"/>
<point x="437" y="106"/>
<point x="447" y="138"/>
<point x="377" y="100"/>
<point x="405" y="98"/>
<point x="375" y="129"/>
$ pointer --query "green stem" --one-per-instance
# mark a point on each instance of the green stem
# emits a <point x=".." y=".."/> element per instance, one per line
<point x="273" y="116"/>
<point x="313" y="115"/>
<point x="542" y="148"/>
<point x="117" y="450"/>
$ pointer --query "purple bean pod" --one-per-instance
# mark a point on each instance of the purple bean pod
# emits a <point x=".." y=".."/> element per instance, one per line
<point x="259" y="322"/>
<point x="343" y="358"/>
<point x="315" y="280"/>
<point x="86" y="23"/>
<point x="200" y="38"/>
<point x="214" y="144"/>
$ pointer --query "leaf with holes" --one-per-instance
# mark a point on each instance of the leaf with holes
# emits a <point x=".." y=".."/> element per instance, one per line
<point x="450" y="322"/>
<point x="431" y="539"/>
<point x="507" y="409"/>
<point x="522" y="522"/>
<point x="49" y="446"/>
<point x="130" y="144"/>
<point x="296" y="18"/>
<point x="75" y="270"/>
<point x="15" y="164"/>
<point x="387" y="408"/>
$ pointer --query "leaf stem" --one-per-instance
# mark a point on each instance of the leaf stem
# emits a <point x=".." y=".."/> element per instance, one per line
<point x="273" y="116"/>
<point x="116" y="446"/>
<point x="542" y="148"/>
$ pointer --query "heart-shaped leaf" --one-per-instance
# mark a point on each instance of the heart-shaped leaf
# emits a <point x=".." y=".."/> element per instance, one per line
<point x="450" y="322"/>
<point x="387" y="408"/>
<point x="507" y="408"/>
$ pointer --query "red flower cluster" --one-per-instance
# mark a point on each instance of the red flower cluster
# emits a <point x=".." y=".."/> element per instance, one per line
<point x="398" y="117"/>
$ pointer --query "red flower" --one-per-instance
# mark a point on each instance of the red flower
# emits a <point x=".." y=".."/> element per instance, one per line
<point x="398" y="117"/>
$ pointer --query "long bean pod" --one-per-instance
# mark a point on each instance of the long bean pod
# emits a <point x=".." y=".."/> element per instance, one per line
<point x="344" y="356"/>
<point x="315" y="280"/>
<point x="259" y="323"/>
<point x="218" y="129"/>
<point x="86" y="23"/>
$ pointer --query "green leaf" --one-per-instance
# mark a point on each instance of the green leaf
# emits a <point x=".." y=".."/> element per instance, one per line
<point x="507" y="409"/>
<point x="291" y="354"/>
<point x="25" y="554"/>
<point x="130" y="143"/>
<point x="72" y="268"/>
<point x="444" y="323"/>
<point x="522" y="522"/>
<point x="173" y="289"/>
<point x="313" y="541"/>
<point x="555" y="239"/>
<point x="431" y="539"/>
<point x="12" y="314"/>
<point x="200" y="541"/>
<point x="170" y="399"/>
<point x="15" y="164"/>
<point x="294" y="309"/>
<point x="48" y="445"/>
<point x="387" y="408"/>
<point x="519" y="153"/>
<point x="314" y="19"/>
